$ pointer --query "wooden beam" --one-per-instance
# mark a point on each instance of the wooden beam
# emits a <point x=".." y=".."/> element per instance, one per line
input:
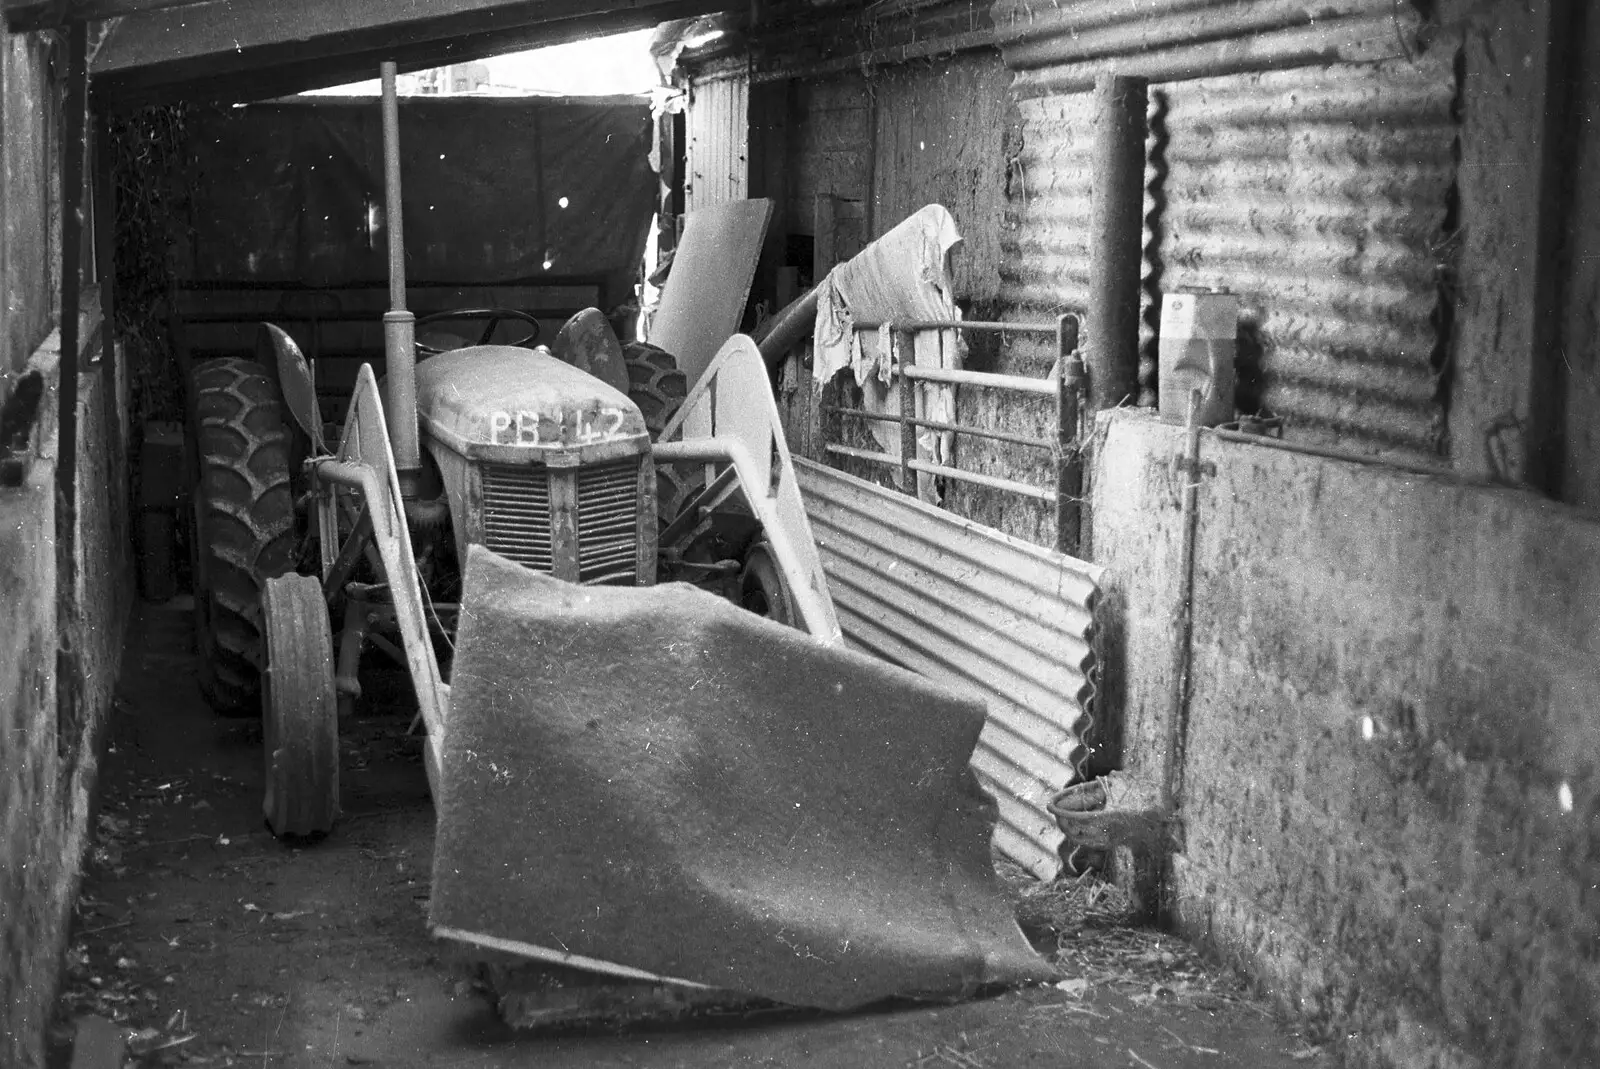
<point x="22" y="16"/>
<point x="226" y="53"/>
<point x="1500" y="409"/>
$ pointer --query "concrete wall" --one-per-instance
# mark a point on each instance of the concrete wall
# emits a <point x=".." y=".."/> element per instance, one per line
<point x="27" y="244"/>
<point x="1391" y="793"/>
<point x="939" y="140"/>
<point x="48" y="770"/>
<point x="1580" y="314"/>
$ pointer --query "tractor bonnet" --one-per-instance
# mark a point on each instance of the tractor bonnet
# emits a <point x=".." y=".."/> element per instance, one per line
<point x="502" y="402"/>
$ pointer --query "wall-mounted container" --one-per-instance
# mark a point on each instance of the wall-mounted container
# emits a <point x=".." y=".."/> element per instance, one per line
<point x="1199" y="340"/>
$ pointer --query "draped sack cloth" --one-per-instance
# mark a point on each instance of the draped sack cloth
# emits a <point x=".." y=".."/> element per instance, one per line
<point x="904" y="277"/>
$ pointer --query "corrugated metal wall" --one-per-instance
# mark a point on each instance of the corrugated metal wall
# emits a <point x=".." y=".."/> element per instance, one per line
<point x="1317" y="193"/>
<point x="719" y="139"/>
<point x="1009" y="623"/>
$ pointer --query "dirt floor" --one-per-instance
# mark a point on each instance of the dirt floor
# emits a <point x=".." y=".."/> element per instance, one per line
<point x="211" y="944"/>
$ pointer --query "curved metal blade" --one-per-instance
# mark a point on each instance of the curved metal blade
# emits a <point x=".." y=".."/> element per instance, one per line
<point x="295" y="383"/>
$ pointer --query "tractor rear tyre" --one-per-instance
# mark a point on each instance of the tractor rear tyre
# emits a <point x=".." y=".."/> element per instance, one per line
<point x="657" y="386"/>
<point x="244" y="525"/>
<point x="299" y="709"/>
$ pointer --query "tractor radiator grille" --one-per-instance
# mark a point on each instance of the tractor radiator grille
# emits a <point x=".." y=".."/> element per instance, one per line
<point x="517" y="518"/>
<point x="516" y="514"/>
<point x="608" y="523"/>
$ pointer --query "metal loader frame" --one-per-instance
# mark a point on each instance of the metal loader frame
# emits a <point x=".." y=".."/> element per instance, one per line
<point x="358" y="491"/>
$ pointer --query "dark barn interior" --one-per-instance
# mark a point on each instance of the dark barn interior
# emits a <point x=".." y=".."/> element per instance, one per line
<point x="1221" y="453"/>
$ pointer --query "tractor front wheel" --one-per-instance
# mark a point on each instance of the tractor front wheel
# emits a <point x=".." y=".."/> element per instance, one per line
<point x="244" y="524"/>
<point x="762" y="589"/>
<point x="299" y="709"/>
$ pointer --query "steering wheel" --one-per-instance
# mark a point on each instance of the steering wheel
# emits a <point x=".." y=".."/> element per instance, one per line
<point x="493" y="315"/>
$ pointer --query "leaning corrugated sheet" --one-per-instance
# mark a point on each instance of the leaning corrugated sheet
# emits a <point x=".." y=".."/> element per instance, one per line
<point x="972" y="608"/>
<point x="1317" y="192"/>
<point x="718" y="125"/>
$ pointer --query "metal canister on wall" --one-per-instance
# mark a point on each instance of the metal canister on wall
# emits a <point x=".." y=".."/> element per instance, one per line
<point x="1199" y="333"/>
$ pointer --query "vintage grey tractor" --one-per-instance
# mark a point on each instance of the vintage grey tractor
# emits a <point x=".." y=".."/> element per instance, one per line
<point x="632" y="778"/>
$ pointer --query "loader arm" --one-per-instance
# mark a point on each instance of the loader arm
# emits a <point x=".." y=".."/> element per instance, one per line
<point x="364" y="468"/>
<point x="730" y="420"/>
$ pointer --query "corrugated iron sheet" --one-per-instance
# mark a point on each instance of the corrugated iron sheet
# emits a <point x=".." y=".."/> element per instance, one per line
<point x="975" y="609"/>
<point x="718" y="125"/>
<point x="1317" y="194"/>
<point x="1066" y="43"/>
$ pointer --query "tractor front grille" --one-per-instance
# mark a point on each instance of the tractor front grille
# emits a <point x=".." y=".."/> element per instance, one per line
<point x="516" y="514"/>
<point x="518" y="520"/>
<point x="608" y="523"/>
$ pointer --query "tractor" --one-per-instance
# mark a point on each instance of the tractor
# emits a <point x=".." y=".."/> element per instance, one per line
<point x="498" y="518"/>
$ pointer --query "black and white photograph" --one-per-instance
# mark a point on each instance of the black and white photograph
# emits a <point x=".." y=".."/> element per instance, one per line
<point x="866" y="534"/>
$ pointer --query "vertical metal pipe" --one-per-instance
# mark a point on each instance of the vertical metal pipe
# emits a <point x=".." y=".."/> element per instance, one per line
<point x="1115" y="231"/>
<point x="1069" y="452"/>
<point x="399" y="325"/>
<point x="393" y="218"/>
<point x="1183" y="619"/>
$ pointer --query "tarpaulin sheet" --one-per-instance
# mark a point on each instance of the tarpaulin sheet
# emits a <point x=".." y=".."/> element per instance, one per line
<point x="658" y="779"/>
<point x="293" y="191"/>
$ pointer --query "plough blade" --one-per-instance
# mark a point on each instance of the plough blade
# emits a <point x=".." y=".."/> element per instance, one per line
<point x="654" y="783"/>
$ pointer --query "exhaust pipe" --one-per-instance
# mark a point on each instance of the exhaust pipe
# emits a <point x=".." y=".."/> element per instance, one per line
<point x="399" y="325"/>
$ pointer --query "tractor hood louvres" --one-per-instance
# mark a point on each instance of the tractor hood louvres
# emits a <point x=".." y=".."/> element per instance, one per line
<point x="580" y="524"/>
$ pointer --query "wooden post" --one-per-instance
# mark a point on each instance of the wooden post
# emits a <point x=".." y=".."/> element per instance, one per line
<point x="74" y="148"/>
<point x="903" y="348"/>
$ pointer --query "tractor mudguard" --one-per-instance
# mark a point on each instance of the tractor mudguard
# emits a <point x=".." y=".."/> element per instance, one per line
<point x="275" y="349"/>
<point x="657" y="784"/>
<point x="587" y="342"/>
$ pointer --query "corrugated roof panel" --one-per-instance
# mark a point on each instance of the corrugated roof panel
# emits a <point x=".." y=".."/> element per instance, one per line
<point x="1008" y="622"/>
<point x="719" y="140"/>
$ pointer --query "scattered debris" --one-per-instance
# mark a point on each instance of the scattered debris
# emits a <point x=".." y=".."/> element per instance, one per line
<point x="1186" y="1045"/>
<point x="947" y="1055"/>
<point x="1066" y="905"/>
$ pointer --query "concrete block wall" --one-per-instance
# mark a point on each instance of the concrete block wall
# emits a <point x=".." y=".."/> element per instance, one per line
<point x="1391" y="795"/>
<point x="47" y="778"/>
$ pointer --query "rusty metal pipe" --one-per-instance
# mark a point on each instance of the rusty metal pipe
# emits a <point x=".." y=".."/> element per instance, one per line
<point x="1115" y="240"/>
<point x="1183" y="620"/>
<point x="788" y="328"/>
<point x="399" y="325"/>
